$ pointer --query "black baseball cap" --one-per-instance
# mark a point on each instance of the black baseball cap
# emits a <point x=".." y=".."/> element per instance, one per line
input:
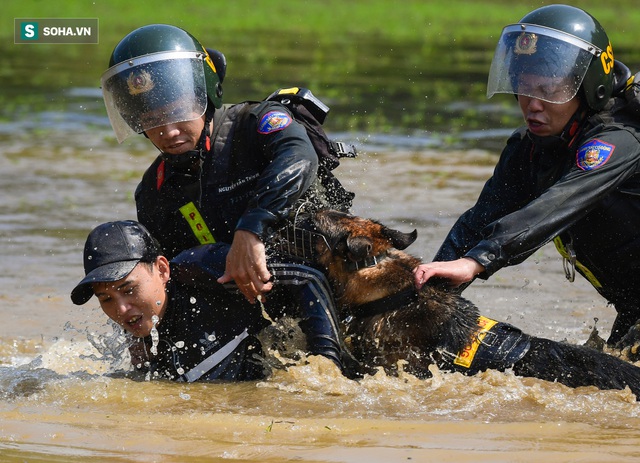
<point x="111" y="252"/>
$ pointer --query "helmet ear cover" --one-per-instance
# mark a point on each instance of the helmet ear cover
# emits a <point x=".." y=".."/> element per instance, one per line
<point x="215" y="66"/>
<point x="621" y="76"/>
<point x="219" y="62"/>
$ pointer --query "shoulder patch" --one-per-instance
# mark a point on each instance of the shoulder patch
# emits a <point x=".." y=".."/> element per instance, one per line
<point x="593" y="154"/>
<point x="273" y="121"/>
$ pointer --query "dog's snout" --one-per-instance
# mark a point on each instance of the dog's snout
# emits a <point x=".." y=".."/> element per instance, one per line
<point x="359" y="247"/>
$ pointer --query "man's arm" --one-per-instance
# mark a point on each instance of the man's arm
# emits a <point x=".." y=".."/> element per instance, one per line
<point x="291" y="169"/>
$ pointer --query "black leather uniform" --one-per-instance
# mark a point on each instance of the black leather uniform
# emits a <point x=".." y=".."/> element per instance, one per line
<point x="586" y="191"/>
<point x="247" y="181"/>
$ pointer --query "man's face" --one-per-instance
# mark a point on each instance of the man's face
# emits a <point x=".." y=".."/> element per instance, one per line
<point x="542" y="117"/>
<point x="132" y="301"/>
<point x="176" y="137"/>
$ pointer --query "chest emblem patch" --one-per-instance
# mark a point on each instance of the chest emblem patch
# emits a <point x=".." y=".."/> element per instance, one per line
<point x="273" y="121"/>
<point x="594" y="154"/>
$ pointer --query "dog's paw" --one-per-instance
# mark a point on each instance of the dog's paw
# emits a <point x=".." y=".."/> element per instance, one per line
<point x="629" y="353"/>
<point x="629" y="345"/>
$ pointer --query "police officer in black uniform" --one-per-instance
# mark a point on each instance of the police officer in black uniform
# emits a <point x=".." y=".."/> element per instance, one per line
<point x="571" y="175"/>
<point x="225" y="173"/>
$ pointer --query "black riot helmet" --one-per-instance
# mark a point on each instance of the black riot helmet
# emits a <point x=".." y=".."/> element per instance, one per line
<point x="552" y="53"/>
<point x="160" y="74"/>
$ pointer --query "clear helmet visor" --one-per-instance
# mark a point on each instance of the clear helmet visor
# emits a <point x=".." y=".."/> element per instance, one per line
<point x="154" y="90"/>
<point x="540" y="63"/>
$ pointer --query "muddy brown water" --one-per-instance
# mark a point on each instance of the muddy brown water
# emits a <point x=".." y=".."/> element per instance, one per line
<point x="60" y="401"/>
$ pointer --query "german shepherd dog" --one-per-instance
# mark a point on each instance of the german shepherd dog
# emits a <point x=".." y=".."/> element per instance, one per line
<point x="388" y="322"/>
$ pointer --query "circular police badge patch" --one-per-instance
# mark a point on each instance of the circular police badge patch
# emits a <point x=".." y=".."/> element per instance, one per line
<point x="140" y="82"/>
<point x="593" y="154"/>
<point x="273" y="121"/>
<point x="526" y="44"/>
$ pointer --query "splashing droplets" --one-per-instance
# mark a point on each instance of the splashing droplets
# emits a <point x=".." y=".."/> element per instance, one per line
<point x="155" y="337"/>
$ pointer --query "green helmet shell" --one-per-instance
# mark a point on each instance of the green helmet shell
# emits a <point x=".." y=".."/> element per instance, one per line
<point x="598" y="81"/>
<point x="157" y="38"/>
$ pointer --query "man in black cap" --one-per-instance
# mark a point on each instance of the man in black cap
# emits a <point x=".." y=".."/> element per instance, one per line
<point x="187" y="326"/>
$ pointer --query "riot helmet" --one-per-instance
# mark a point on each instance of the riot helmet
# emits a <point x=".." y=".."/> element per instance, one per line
<point x="552" y="53"/>
<point x="160" y="74"/>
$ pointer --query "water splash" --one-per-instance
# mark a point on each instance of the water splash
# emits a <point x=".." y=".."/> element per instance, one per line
<point x="155" y="337"/>
<point x="112" y="346"/>
<point x="264" y="310"/>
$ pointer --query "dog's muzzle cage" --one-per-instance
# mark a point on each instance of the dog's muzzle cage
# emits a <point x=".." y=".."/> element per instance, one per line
<point x="296" y="242"/>
<point x="298" y="237"/>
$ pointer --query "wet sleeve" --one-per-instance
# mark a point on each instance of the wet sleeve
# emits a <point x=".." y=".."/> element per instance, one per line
<point x="602" y="164"/>
<point x="291" y="168"/>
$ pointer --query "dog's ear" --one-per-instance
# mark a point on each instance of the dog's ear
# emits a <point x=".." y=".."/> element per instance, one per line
<point x="400" y="240"/>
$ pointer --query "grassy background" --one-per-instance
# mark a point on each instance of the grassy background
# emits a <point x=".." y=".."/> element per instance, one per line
<point x="460" y="19"/>
<point x="432" y="22"/>
<point x="374" y="57"/>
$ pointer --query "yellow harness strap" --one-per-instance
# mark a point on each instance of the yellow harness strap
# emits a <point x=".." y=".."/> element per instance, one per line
<point x="196" y="222"/>
<point x="569" y="260"/>
<point x="466" y="355"/>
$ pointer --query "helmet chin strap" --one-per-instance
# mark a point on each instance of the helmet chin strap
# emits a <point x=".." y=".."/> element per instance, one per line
<point x="204" y="143"/>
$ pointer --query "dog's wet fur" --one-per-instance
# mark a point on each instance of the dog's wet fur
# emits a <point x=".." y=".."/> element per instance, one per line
<point x="412" y="331"/>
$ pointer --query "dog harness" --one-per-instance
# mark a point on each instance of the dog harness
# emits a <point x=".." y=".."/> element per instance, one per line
<point x="495" y="345"/>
